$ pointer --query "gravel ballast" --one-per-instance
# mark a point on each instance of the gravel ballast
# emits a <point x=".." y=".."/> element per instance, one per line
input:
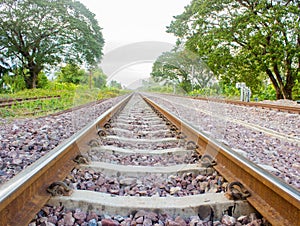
<point x="267" y="137"/>
<point x="23" y="141"/>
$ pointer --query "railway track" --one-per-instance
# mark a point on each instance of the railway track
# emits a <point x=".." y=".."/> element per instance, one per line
<point x="15" y="101"/>
<point x="290" y="109"/>
<point x="134" y="159"/>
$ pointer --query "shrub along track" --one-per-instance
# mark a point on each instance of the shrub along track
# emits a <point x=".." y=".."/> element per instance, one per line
<point x="132" y="160"/>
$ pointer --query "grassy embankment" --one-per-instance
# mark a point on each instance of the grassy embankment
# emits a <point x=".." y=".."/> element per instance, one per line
<point x="70" y="96"/>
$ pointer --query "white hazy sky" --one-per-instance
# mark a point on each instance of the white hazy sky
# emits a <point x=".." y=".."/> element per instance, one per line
<point x="129" y="21"/>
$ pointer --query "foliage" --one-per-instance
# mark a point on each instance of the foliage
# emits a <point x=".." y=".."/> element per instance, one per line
<point x="296" y="89"/>
<point x="71" y="73"/>
<point x="183" y="68"/>
<point x="38" y="106"/>
<point x="115" y="84"/>
<point x="209" y="91"/>
<point x="37" y="34"/>
<point x="150" y="85"/>
<point x="244" y="40"/>
<point x="110" y="92"/>
<point x="99" y="78"/>
<point x="14" y="83"/>
<point x="42" y="80"/>
<point x="230" y="90"/>
<point x="161" y="89"/>
<point x="266" y="93"/>
<point x="58" y="87"/>
<point x="71" y="95"/>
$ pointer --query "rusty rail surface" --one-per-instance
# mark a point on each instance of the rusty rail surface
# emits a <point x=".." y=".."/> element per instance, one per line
<point x="12" y="101"/>
<point x="278" y="202"/>
<point x="290" y="109"/>
<point x="24" y="195"/>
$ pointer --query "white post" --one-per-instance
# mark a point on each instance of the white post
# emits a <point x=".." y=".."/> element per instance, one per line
<point x="242" y="86"/>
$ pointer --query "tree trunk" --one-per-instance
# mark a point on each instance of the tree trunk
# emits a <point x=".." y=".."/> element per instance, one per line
<point x="28" y="81"/>
<point x="288" y="88"/>
<point x="31" y="79"/>
<point x="290" y="80"/>
<point x="280" y="82"/>
<point x="279" y="94"/>
<point x="289" y="93"/>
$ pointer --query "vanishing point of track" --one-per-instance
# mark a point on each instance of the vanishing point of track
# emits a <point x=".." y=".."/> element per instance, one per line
<point x="23" y="196"/>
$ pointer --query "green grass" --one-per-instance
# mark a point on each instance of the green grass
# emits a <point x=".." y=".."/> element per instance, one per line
<point x="70" y="96"/>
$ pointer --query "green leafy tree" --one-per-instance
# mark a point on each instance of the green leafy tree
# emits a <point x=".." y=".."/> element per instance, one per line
<point x="167" y="69"/>
<point x="183" y="68"/>
<point x="149" y="85"/>
<point x="71" y="73"/>
<point x="244" y="40"/>
<point x="115" y="84"/>
<point x="99" y="78"/>
<point x="35" y="34"/>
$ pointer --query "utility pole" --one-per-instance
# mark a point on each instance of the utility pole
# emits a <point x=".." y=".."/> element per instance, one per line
<point x="90" y="78"/>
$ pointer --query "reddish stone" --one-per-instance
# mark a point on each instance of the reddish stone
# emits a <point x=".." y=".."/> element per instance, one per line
<point x="172" y="223"/>
<point x="109" y="222"/>
<point x="180" y="221"/>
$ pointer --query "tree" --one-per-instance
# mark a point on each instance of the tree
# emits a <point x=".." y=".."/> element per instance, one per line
<point x="35" y="34"/>
<point x="72" y="73"/>
<point x="149" y="85"/>
<point x="183" y="68"/>
<point x="115" y="84"/>
<point x="99" y="78"/>
<point x="242" y="39"/>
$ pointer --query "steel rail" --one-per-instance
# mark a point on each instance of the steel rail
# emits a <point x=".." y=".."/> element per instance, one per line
<point x="24" y="195"/>
<point x="290" y="109"/>
<point x="5" y="100"/>
<point x="11" y="102"/>
<point x="278" y="202"/>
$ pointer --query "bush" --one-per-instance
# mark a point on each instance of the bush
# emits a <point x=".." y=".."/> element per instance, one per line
<point x="15" y="83"/>
<point x="42" y="81"/>
<point x="205" y="92"/>
<point x="266" y="93"/>
<point x="110" y="93"/>
<point x="296" y="90"/>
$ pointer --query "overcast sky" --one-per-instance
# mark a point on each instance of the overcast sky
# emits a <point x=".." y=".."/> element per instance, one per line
<point x="129" y="21"/>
